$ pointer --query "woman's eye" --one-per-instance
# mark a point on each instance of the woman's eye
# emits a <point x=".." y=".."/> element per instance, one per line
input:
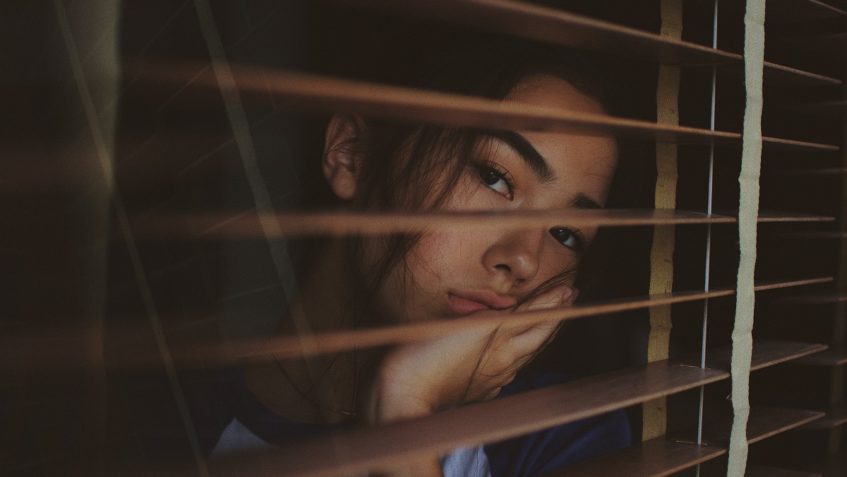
<point x="495" y="180"/>
<point x="567" y="237"/>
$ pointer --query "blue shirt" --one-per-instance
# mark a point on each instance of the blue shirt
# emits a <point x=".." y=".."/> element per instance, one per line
<point x="253" y="427"/>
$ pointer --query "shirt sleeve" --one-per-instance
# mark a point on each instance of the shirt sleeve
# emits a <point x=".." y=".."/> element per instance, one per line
<point x="560" y="446"/>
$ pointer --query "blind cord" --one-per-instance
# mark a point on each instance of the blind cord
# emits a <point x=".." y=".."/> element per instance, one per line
<point x="708" y="259"/>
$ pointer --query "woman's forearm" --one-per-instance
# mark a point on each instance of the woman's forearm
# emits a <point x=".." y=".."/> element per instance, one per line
<point x="386" y="404"/>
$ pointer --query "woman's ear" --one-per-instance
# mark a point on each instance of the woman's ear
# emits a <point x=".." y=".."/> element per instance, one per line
<point x="341" y="163"/>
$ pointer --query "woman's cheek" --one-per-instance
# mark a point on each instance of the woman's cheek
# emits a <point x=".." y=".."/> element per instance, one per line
<point x="444" y="260"/>
<point x="557" y="257"/>
<point x="440" y="255"/>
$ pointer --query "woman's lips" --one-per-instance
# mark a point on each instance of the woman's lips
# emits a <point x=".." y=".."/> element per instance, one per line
<point x="467" y="302"/>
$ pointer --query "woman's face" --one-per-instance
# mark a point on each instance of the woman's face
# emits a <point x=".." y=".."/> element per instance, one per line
<point x="451" y="273"/>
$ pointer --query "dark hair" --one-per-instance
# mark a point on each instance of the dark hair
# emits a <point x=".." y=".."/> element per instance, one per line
<point x="410" y="166"/>
<point x="404" y="161"/>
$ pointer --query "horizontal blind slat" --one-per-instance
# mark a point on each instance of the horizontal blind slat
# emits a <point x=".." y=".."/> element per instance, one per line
<point x="330" y="342"/>
<point x="768" y="422"/>
<point x="767" y="353"/>
<point x="656" y="457"/>
<point x="835" y="416"/>
<point x="50" y="353"/>
<point x="775" y="72"/>
<point x="823" y="171"/>
<point x="323" y="93"/>
<point x="248" y="224"/>
<point x="793" y="11"/>
<point x="558" y="27"/>
<point x="768" y="471"/>
<point x="393" y="444"/>
<point x="664" y="456"/>
<point x="818" y="298"/>
<point x="835" y="356"/>
<point x="838" y="106"/>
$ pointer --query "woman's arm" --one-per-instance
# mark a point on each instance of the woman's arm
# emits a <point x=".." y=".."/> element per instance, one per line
<point x="386" y="407"/>
<point x="420" y="378"/>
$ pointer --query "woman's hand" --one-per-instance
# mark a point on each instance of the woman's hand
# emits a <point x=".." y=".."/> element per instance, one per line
<point x="419" y="378"/>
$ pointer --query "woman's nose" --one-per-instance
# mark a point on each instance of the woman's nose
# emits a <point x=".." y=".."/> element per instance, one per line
<point x="515" y="254"/>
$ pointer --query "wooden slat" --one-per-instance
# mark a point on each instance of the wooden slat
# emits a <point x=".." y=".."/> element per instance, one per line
<point x="563" y="28"/>
<point x="822" y="171"/>
<point x="334" y="95"/>
<point x="793" y="11"/>
<point x="331" y="342"/>
<point x="654" y="458"/>
<point x="557" y="27"/>
<point x="795" y="144"/>
<point x="834" y="107"/>
<point x="764" y="422"/>
<point x="384" y="446"/>
<point x="766" y="353"/>
<point x="764" y="286"/>
<point x="822" y="6"/>
<point x="836" y="11"/>
<point x="663" y="456"/>
<point x="776" y="73"/>
<point x="767" y="471"/>
<point x="48" y="350"/>
<point x="835" y="356"/>
<point x="836" y="416"/>
<point x="394" y="444"/>
<point x="830" y="44"/>
<point x="774" y="217"/>
<point x="816" y="235"/>
<point x="787" y="12"/>
<point x="818" y="298"/>
<point x="248" y="224"/>
<point x="48" y="353"/>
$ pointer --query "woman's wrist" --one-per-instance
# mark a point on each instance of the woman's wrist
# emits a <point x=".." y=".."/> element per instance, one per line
<point x="394" y="408"/>
<point x="391" y="399"/>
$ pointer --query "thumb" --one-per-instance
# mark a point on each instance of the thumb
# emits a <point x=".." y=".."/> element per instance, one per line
<point x="558" y="296"/>
<point x="569" y="298"/>
<point x="537" y="335"/>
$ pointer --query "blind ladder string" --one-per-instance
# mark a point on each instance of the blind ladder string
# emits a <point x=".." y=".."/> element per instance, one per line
<point x="708" y="256"/>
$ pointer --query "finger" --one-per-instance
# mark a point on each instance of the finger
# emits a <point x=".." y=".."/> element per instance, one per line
<point x="537" y="336"/>
<point x="563" y="295"/>
<point x="572" y="297"/>
<point x="493" y="393"/>
<point x="557" y="296"/>
<point x="533" y="339"/>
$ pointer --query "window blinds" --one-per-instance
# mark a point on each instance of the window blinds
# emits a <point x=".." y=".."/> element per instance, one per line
<point x="154" y="233"/>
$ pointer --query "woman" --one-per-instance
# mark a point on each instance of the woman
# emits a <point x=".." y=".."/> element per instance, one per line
<point x="444" y="274"/>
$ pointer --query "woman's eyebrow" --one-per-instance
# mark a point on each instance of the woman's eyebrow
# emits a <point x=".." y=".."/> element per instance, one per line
<point x="526" y="151"/>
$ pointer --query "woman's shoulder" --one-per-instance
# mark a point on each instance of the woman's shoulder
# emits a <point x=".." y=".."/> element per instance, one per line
<point x="559" y="446"/>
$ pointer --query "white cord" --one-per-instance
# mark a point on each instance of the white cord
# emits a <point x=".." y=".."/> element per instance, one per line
<point x="708" y="259"/>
